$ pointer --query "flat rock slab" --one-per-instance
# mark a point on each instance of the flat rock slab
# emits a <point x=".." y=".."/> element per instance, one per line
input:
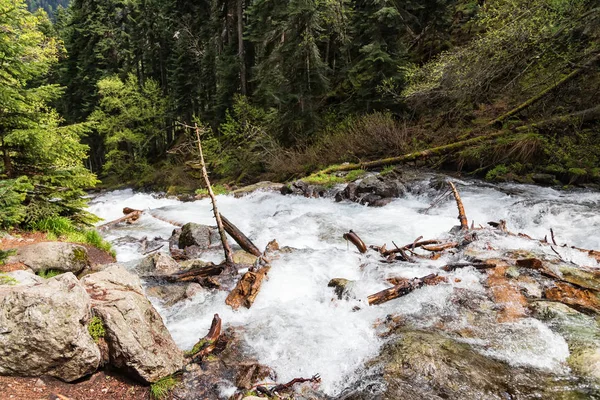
<point x="43" y="330"/>
<point x="58" y="256"/>
<point x="138" y="341"/>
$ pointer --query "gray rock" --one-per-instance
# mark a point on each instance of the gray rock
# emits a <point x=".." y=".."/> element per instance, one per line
<point x="544" y="179"/>
<point x="203" y="236"/>
<point x="137" y="338"/>
<point x="59" y="256"/>
<point x="157" y="264"/>
<point x="43" y="330"/>
<point x="170" y="294"/>
<point x="19" y="277"/>
<point x="341" y="287"/>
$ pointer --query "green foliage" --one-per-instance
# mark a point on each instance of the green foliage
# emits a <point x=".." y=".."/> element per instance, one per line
<point x="131" y="120"/>
<point x="7" y="280"/>
<point x="4" y="254"/>
<point x="56" y="225"/>
<point x="498" y="172"/>
<point x="13" y="193"/>
<point x="49" y="273"/>
<point x="217" y="190"/>
<point x="96" y="329"/>
<point x="161" y="388"/>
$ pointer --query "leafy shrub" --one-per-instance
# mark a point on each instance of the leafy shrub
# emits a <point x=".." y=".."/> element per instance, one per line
<point x="4" y="254"/>
<point x="497" y="172"/>
<point x="12" y="195"/>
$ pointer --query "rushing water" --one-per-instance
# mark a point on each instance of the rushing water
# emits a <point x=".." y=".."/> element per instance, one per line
<point x="296" y="327"/>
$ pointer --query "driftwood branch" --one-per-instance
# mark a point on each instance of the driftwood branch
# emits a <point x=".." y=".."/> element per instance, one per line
<point x="226" y="247"/>
<point x="403" y="288"/>
<point x="353" y="238"/>
<point x="462" y="217"/>
<point x="286" y="386"/>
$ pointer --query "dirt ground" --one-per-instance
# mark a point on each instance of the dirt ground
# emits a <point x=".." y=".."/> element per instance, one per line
<point x="100" y="386"/>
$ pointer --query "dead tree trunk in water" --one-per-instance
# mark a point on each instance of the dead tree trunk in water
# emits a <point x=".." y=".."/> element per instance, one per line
<point x="226" y="248"/>
<point x="404" y="288"/>
<point x="240" y="238"/>
<point x="464" y="223"/>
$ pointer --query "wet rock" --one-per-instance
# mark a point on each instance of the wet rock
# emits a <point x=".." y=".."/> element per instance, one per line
<point x="19" y="277"/>
<point x="138" y="341"/>
<point x="382" y="186"/>
<point x="350" y="192"/>
<point x="428" y="365"/>
<point x="580" y="299"/>
<point x="157" y="264"/>
<point x="341" y="287"/>
<point x="581" y="332"/>
<point x="173" y="293"/>
<point x="174" y="239"/>
<point x="43" y="330"/>
<point x="203" y="236"/>
<point x="544" y="179"/>
<point x="302" y="188"/>
<point x="58" y="256"/>
<point x="228" y="366"/>
<point x="243" y="257"/>
<point x="266" y="186"/>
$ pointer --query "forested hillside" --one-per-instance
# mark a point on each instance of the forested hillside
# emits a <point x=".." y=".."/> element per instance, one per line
<point x="50" y="6"/>
<point x="284" y="88"/>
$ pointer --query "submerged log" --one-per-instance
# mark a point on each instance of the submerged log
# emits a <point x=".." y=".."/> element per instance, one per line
<point x="476" y="265"/>
<point x="240" y="238"/>
<point x="207" y="344"/>
<point x="403" y="288"/>
<point x="131" y="217"/>
<point x="353" y="238"/>
<point x="410" y="246"/>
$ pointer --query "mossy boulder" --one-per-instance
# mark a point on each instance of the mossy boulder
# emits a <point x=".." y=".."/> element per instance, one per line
<point x="55" y="256"/>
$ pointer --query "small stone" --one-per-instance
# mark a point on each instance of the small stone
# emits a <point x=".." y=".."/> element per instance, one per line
<point x="40" y="383"/>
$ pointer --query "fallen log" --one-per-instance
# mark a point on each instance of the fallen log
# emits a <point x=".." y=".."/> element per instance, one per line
<point x="402" y="289"/>
<point x="193" y="274"/>
<point x="240" y="238"/>
<point x="440" y="247"/>
<point x="207" y="344"/>
<point x="353" y="238"/>
<point x="128" y="219"/>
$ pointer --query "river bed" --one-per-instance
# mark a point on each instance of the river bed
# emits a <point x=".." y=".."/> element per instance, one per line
<point x="297" y="327"/>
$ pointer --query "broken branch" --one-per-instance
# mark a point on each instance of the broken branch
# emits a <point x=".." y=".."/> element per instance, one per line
<point x="403" y="288"/>
<point x="353" y="238"/>
<point x="207" y="344"/>
<point x="464" y="223"/>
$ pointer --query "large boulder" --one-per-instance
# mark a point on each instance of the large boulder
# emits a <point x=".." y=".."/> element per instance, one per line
<point x="43" y="330"/>
<point x="58" y="256"/>
<point x="203" y="236"/>
<point x="138" y="341"/>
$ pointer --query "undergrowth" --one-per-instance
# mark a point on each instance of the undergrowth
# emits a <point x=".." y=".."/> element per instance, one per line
<point x="160" y="389"/>
<point x="49" y="273"/>
<point x="217" y="190"/>
<point x="63" y="228"/>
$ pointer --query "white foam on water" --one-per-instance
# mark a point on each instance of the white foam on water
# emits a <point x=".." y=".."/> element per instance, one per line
<point x="296" y="327"/>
